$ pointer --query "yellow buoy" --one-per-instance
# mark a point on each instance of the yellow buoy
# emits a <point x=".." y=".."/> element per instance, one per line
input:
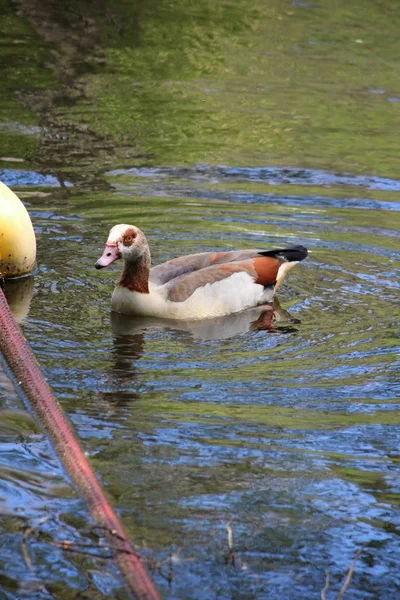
<point x="17" y="238"/>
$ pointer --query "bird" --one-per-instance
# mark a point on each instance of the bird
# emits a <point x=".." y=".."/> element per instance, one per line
<point x="195" y="286"/>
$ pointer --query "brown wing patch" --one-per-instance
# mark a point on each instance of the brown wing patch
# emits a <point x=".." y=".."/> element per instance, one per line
<point x="239" y="267"/>
<point x="182" y="265"/>
<point x="217" y="257"/>
<point x="232" y="256"/>
<point x="267" y="269"/>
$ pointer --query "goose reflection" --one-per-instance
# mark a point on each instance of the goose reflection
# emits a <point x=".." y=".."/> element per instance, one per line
<point x="220" y="328"/>
<point x="129" y="339"/>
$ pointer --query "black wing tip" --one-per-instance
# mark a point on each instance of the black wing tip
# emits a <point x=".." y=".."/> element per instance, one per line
<point x="291" y="254"/>
<point x="301" y="250"/>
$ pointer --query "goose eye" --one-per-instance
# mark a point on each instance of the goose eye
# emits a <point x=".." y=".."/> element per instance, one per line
<point x="128" y="239"/>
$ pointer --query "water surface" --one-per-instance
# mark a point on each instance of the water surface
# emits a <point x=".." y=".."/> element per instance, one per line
<point x="262" y="126"/>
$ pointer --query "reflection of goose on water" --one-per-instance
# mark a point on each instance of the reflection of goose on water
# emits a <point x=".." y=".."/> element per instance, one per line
<point x="218" y="328"/>
<point x="129" y="333"/>
<point x="196" y="286"/>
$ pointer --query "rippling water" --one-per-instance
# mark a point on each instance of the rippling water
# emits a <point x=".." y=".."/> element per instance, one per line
<point x="288" y="432"/>
<point x="210" y="126"/>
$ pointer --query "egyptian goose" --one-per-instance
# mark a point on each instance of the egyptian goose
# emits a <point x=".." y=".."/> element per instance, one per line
<point x="196" y="286"/>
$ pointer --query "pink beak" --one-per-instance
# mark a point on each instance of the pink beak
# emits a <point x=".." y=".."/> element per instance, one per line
<point x="110" y="254"/>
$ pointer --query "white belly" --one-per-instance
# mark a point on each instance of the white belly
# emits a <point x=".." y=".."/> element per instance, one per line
<point x="230" y="295"/>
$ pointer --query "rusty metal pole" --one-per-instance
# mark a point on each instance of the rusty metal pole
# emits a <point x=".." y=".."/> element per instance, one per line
<point x="30" y="380"/>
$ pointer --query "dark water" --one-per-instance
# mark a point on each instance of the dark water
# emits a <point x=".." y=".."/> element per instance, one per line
<point x="211" y="126"/>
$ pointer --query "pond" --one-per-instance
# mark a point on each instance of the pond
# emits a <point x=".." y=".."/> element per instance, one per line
<point x="209" y="126"/>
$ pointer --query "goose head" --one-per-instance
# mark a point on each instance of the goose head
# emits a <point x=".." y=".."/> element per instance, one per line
<point x="124" y="241"/>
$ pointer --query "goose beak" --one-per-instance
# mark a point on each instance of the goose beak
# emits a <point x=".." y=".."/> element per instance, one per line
<point x="110" y="254"/>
